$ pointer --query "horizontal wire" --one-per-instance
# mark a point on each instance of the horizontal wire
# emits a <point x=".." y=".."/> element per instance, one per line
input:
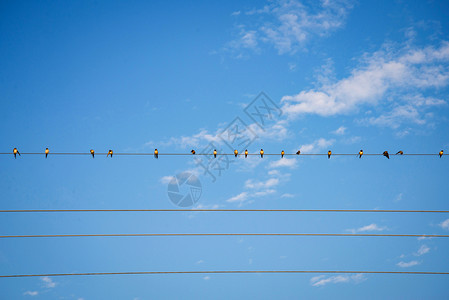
<point x="228" y="272"/>
<point x="224" y="234"/>
<point x="224" y="154"/>
<point x="224" y="210"/>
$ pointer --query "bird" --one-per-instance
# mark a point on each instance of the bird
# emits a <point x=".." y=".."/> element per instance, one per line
<point x="246" y="153"/>
<point x="441" y="153"/>
<point x="329" y="153"/>
<point x="360" y="153"/>
<point x="261" y="153"/>
<point x="298" y="152"/>
<point x="110" y="153"/>
<point x="215" y="153"/>
<point x="400" y="152"/>
<point x="15" y="151"/>
<point x="386" y="154"/>
<point x="282" y="153"/>
<point x="156" y="153"/>
<point x="46" y="152"/>
<point x="193" y="152"/>
<point x="92" y="152"/>
<point x="236" y="153"/>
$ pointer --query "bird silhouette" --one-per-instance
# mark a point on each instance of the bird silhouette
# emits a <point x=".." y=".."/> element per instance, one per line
<point x="282" y="153"/>
<point x="246" y="153"/>
<point x="386" y="154"/>
<point x="215" y="153"/>
<point x="298" y="152"/>
<point x="156" y="153"/>
<point x="261" y="153"/>
<point x="193" y="152"/>
<point x="110" y="153"/>
<point x="400" y="152"/>
<point x="441" y="153"/>
<point x="92" y="152"/>
<point x="15" y="151"/>
<point x="236" y="153"/>
<point x="360" y="153"/>
<point x="329" y="153"/>
<point x="46" y="152"/>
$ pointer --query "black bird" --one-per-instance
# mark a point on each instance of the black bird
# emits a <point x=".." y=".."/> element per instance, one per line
<point x="282" y="153"/>
<point x="360" y="153"/>
<point x="386" y="154"/>
<point x="215" y="153"/>
<point x="236" y="153"/>
<point x="46" y="152"/>
<point x="15" y="152"/>
<point x="92" y="152"/>
<point x="400" y="152"/>
<point x="298" y="152"/>
<point x="329" y="153"/>
<point x="441" y="153"/>
<point x="246" y="153"/>
<point x="156" y="153"/>
<point x="261" y="153"/>
<point x="193" y="152"/>
<point x="109" y="153"/>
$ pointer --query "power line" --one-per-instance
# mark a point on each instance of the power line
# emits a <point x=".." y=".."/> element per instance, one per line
<point x="228" y="272"/>
<point x="224" y="234"/>
<point x="221" y="154"/>
<point x="224" y="210"/>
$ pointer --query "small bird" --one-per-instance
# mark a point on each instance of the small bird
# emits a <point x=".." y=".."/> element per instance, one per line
<point x="282" y="153"/>
<point x="441" y="153"/>
<point x="215" y="153"/>
<point x="400" y="152"/>
<point x="360" y="153"/>
<point x="15" y="151"/>
<point x="92" y="152"/>
<point x="386" y="154"/>
<point x="298" y="152"/>
<point x="246" y="153"/>
<point x="236" y="153"/>
<point x="46" y="152"/>
<point x="193" y="152"/>
<point x="156" y="153"/>
<point x="110" y="153"/>
<point x="261" y="153"/>
<point x="329" y="153"/>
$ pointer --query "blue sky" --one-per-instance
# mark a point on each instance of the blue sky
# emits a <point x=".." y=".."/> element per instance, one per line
<point x="133" y="76"/>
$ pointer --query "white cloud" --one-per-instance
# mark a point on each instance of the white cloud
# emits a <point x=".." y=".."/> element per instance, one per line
<point x="422" y="250"/>
<point x="206" y="277"/>
<point x="316" y="146"/>
<point x="340" y="131"/>
<point x="236" y="13"/>
<point x="252" y="184"/>
<point x="166" y="179"/>
<point x="445" y="224"/>
<point x="283" y="162"/>
<point x="200" y="261"/>
<point x="48" y="282"/>
<point x="239" y="198"/>
<point x="287" y="25"/>
<point x="370" y="227"/>
<point x="323" y="280"/>
<point x="31" y="293"/>
<point x="378" y="81"/>
<point x="407" y="264"/>
<point x="287" y="195"/>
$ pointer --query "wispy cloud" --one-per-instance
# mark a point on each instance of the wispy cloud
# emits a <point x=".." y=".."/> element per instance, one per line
<point x="48" y="282"/>
<point x="322" y="280"/>
<point x="31" y="293"/>
<point x="422" y="250"/>
<point x="288" y="24"/>
<point x="408" y="264"/>
<point x="283" y="162"/>
<point x="340" y="130"/>
<point x="445" y="224"/>
<point x="370" y="227"/>
<point x="317" y="145"/>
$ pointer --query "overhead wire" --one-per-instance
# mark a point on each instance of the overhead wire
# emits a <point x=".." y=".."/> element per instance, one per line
<point x="224" y="210"/>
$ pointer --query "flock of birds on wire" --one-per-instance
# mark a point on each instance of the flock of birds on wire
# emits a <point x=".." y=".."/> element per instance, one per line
<point x="236" y="153"/>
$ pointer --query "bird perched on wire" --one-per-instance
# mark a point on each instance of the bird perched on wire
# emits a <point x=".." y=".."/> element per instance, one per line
<point x="109" y="153"/>
<point x="236" y="153"/>
<point x="215" y="153"/>
<point x="360" y="153"/>
<point x="441" y="153"/>
<point x="246" y="153"/>
<point x="261" y="153"/>
<point x="193" y="152"/>
<point x="15" y="152"/>
<point x="298" y="152"/>
<point x="92" y="152"/>
<point x="386" y="154"/>
<point x="329" y="153"/>
<point x="46" y="152"/>
<point x="282" y="153"/>
<point x="400" y="152"/>
<point x="156" y="153"/>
